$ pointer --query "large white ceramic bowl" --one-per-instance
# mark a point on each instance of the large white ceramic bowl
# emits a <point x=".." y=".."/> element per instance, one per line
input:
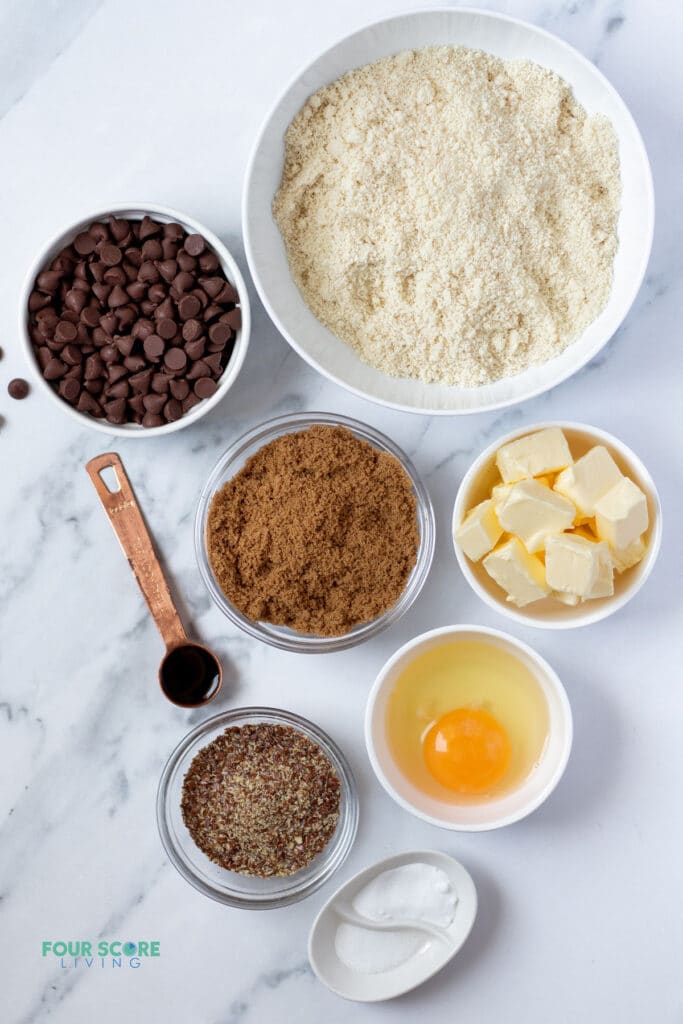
<point x="164" y="215"/>
<point x="507" y="38"/>
<point x="548" y="613"/>
<point x="488" y="814"/>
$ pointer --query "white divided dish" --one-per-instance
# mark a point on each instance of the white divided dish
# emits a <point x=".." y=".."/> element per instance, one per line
<point x="508" y="39"/>
<point x="430" y="950"/>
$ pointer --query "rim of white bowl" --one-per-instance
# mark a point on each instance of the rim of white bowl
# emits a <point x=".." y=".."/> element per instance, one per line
<point x="135" y="211"/>
<point x="533" y="392"/>
<point x="610" y="605"/>
<point x="547" y="677"/>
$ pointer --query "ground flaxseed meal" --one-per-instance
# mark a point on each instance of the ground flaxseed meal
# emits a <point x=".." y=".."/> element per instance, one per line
<point x="261" y="800"/>
<point x="317" y="532"/>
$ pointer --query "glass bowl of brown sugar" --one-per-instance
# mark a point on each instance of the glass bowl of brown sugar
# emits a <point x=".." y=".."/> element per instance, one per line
<point x="314" y="532"/>
<point x="195" y="787"/>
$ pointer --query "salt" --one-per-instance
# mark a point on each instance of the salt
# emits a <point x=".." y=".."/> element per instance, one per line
<point x="411" y="892"/>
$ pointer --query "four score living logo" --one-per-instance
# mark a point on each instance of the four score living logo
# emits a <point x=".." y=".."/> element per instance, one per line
<point x="78" y="954"/>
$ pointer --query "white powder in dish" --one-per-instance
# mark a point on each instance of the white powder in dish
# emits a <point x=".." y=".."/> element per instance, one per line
<point x="450" y="215"/>
<point x="411" y="892"/>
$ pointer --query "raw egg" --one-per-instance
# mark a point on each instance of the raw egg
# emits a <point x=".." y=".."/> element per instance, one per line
<point x="466" y="721"/>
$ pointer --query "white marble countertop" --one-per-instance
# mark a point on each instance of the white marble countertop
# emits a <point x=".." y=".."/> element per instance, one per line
<point x="579" y="904"/>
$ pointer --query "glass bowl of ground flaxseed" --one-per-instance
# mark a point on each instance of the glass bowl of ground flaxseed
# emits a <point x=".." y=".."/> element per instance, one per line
<point x="257" y="808"/>
<point x="314" y="532"/>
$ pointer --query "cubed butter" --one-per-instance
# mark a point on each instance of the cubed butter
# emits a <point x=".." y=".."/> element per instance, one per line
<point x="533" y="512"/>
<point x="591" y="477"/>
<point x="520" y="574"/>
<point x="574" y="565"/>
<point x="500" y="492"/>
<point x="569" y="599"/>
<point x="626" y="558"/>
<point x="546" y="451"/>
<point x="604" y="581"/>
<point x="621" y="514"/>
<point x="479" y="531"/>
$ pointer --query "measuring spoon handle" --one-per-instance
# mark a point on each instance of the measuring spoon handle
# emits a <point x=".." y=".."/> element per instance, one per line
<point x="126" y="518"/>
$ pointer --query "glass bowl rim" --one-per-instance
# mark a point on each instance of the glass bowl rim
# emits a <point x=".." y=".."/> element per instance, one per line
<point x="334" y="854"/>
<point x="303" y="643"/>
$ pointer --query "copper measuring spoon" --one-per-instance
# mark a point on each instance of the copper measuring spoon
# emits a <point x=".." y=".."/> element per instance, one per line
<point x="190" y="674"/>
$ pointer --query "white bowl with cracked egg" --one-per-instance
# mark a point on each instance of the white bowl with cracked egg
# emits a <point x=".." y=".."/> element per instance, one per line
<point x="548" y="613"/>
<point x="509" y="39"/>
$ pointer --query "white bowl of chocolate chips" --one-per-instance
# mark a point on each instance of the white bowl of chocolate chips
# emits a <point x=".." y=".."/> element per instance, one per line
<point x="135" y="320"/>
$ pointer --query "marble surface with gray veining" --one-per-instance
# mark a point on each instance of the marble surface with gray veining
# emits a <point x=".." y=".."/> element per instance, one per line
<point x="104" y="101"/>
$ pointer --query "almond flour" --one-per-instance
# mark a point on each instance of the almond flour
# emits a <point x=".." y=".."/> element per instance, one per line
<point x="450" y="215"/>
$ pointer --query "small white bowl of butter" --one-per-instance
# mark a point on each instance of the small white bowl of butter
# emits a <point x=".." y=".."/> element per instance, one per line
<point x="557" y="525"/>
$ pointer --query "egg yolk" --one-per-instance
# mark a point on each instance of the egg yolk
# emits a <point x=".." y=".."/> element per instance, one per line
<point x="467" y="750"/>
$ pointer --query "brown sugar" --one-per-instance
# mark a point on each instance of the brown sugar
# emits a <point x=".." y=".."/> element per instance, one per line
<point x="318" y="532"/>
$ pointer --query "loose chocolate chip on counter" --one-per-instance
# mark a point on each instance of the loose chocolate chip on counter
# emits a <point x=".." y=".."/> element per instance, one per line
<point x="18" y="388"/>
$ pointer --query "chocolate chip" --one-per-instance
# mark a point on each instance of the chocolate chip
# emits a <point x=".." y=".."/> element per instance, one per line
<point x="160" y="383"/>
<point x="192" y="330"/>
<point x="119" y="229"/>
<point x="208" y="262"/>
<point x="98" y="231"/>
<point x="94" y="367"/>
<point x="174" y="232"/>
<point x="117" y="297"/>
<point x="135" y="404"/>
<point x="188" y="307"/>
<point x="175" y="360"/>
<point x="205" y="387"/>
<point x="55" y="369"/>
<point x="116" y="372"/>
<point x="108" y="323"/>
<point x="190" y="402"/>
<point x="165" y="310"/>
<point x="86" y="403"/>
<point x="151" y="419"/>
<point x="65" y="331"/>
<point x="90" y="316"/>
<point x="136" y="364"/>
<point x="116" y="275"/>
<point x="234" y="319"/>
<point x="72" y="355"/>
<point x="180" y="389"/>
<point x="148" y="272"/>
<point x="75" y="300"/>
<point x="140" y="381"/>
<point x="186" y="262"/>
<point x="168" y="269"/>
<point x="195" y="349"/>
<point x="213" y="361"/>
<point x="195" y="245"/>
<point x="137" y="290"/>
<point x="148" y="228"/>
<point x="85" y="243"/>
<point x="117" y="390"/>
<point x="212" y="311"/>
<point x="116" y="410"/>
<point x="213" y="286"/>
<point x="173" y="410"/>
<point x="152" y="250"/>
<point x="220" y="333"/>
<point x="109" y="353"/>
<point x="154" y="347"/>
<point x="18" y="388"/>
<point x="125" y="343"/>
<point x="111" y="254"/>
<point x="69" y="389"/>
<point x="36" y="301"/>
<point x="167" y="328"/>
<point x="154" y="402"/>
<point x="198" y="369"/>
